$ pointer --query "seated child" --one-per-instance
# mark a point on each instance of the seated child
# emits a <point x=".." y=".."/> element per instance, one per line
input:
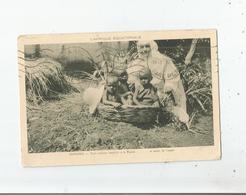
<point x="145" y="93"/>
<point x="124" y="88"/>
<point x="110" y="96"/>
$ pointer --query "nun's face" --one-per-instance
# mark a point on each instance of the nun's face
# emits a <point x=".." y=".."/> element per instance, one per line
<point x="143" y="48"/>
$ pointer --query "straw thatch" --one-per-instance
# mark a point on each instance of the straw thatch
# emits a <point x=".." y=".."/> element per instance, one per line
<point x="44" y="79"/>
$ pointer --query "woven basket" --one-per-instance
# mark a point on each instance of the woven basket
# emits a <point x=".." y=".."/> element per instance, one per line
<point x="129" y="114"/>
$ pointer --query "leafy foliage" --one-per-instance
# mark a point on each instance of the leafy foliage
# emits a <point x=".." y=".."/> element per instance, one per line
<point x="197" y="86"/>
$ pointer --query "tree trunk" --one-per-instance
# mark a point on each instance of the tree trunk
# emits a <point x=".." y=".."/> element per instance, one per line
<point x="37" y="51"/>
<point x="191" y="52"/>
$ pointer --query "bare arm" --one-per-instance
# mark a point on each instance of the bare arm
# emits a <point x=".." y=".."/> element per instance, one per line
<point x="123" y="100"/>
<point x="135" y="98"/>
<point x="157" y="99"/>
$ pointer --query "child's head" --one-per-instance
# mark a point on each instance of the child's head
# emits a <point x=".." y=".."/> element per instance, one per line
<point x="122" y="74"/>
<point x="112" y="82"/>
<point x="145" y="76"/>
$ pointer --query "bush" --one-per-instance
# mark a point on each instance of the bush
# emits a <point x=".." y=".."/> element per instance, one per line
<point x="198" y="87"/>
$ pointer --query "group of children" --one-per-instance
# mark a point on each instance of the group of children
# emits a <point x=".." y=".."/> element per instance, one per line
<point x="119" y="92"/>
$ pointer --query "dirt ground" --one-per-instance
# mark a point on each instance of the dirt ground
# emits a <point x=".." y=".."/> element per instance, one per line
<point x="64" y="125"/>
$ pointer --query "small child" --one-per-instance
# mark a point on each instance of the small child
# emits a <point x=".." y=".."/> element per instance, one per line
<point x="145" y="92"/>
<point x="110" y="96"/>
<point x="124" y="88"/>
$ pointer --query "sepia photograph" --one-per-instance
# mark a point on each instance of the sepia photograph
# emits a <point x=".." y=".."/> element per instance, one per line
<point x="119" y="94"/>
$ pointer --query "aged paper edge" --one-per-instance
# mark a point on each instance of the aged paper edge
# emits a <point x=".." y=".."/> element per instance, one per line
<point x="126" y="155"/>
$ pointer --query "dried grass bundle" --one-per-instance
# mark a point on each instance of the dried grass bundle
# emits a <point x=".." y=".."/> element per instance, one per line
<point x="44" y="79"/>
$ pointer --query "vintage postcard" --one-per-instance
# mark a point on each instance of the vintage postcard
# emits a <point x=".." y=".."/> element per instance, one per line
<point x="119" y="97"/>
